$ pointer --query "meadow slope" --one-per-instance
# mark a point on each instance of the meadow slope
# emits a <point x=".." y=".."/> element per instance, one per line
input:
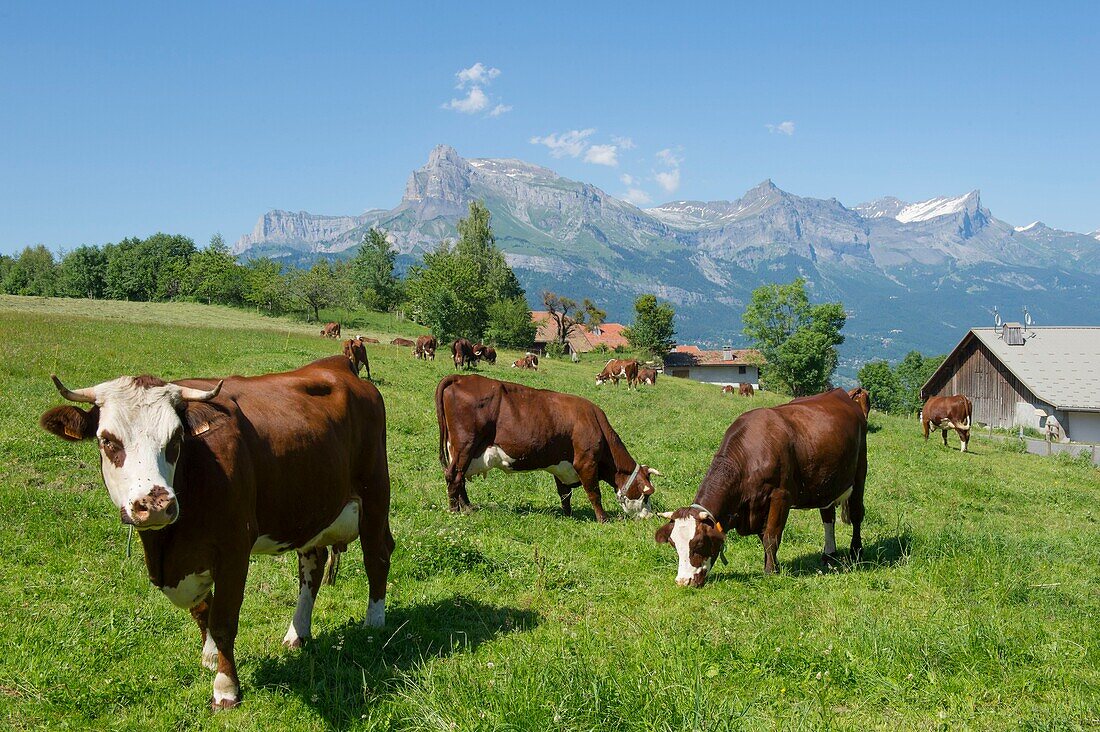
<point x="977" y="607"/>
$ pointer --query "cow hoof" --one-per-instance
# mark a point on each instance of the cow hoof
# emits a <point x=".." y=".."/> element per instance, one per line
<point x="293" y="644"/>
<point x="228" y="703"/>
<point x="831" y="561"/>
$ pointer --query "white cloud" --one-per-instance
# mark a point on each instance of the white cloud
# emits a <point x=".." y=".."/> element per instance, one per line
<point x="571" y="143"/>
<point x="783" y="128"/>
<point x="479" y="75"/>
<point x="670" y="157"/>
<point x="636" y="196"/>
<point x="627" y="179"/>
<point x="624" y="143"/>
<point x="669" y="180"/>
<point x="602" y="155"/>
<point x="500" y="109"/>
<point x="474" y="102"/>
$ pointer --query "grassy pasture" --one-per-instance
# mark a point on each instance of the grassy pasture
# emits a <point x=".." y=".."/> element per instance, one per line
<point x="978" y="606"/>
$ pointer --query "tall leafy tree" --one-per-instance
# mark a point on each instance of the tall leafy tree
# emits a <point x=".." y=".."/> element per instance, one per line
<point x="265" y="287"/>
<point x="317" y="287"/>
<point x="654" y="328"/>
<point x="213" y="275"/>
<point x="33" y="272"/>
<point x="566" y="314"/>
<point x="83" y="273"/>
<point x="372" y="270"/>
<point x="882" y="383"/>
<point x="148" y="269"/>
<point x="798" y="339"/>
<point x="912" y="373"/>
<point x="510" y="323"/>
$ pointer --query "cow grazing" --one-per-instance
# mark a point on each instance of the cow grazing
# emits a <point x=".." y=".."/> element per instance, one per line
<point x="462" y="353"/>
<point x="331" y="330"/>
<point x="402" y="342"/>
<point x="808" y="453"/>
<point x="530" y="361"/>
<point x="745" y="390"/>
<point x="944" y="413"/>
<point x="618" y="368"/>
<point x="727" y="389"/>
<point x="425" y="347"/>
<point x="356" y="351"/>
<point x="368" y="340"/>
<point x="483" y="352"/>
<point x="647" y="376"/>
<point x="486" y="424"/>
<point x="862" y="397"/>
<point x="210" y="472"/>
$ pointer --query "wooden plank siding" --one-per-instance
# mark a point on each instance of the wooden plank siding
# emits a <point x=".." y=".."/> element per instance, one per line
<point x="974" y="371"/>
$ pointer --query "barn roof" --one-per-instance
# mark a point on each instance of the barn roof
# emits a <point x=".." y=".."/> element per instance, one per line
<point x="1060" y="365"/>
<point x="583" y="338"/>
<point x="694" y="356"/>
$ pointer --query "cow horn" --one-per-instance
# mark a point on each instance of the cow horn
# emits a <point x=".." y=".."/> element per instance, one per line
<point x="653" y="471"/>
<point x="704" y="514"/>
<point x="665" y="514"/>
<point x="188" y="394"/>
<point x="80" y="395"/>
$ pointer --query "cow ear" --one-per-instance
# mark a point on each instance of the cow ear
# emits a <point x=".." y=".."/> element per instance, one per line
<point x="664" y="534"/>
<point x="201" y="417"/>
<point x="70" y="423"/>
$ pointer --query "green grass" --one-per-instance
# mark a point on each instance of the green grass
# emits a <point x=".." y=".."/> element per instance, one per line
<point x="977" y="608"/>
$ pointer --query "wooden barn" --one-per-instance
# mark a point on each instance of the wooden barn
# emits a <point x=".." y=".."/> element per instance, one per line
<point x="1047" y="378"/>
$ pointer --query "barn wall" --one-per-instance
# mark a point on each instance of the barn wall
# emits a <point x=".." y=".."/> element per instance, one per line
<point x="995" y="393"/>
<point x="721" y="375"/>
<point x="1083" y="426"/>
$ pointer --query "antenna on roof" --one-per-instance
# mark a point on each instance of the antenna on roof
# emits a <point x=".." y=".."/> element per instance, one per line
<point x="996" y="318"/>
<point x="1028" y="323"/>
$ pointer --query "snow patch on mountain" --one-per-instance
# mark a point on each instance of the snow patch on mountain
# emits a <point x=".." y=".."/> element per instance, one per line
<point x="1029" y="227"/>
<point x="936" y="207"/>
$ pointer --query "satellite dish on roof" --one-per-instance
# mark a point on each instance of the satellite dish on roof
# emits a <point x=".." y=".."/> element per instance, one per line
<point x="1027" y="317"/>
<point x="996" y="318"/>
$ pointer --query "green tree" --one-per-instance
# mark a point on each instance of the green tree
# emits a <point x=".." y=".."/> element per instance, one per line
<point x="566" y="314"/>
<point x="83" y="273"/>
<point x="797" y="338"/>
<point x="882" y="383"/>
<point x="213" y="275"/>
<point x="654" y="327"/>
<point x="594" y="316"/>
<point x="33" y="272"/>
<point x="317" y="287"/>
<point x="6" y="265"/>
<point x="477" y="243"/>
<point x="510" y="324"/>
<point x="372" y="272"/>
<point x="912" y="373"/>
<point x="265" y="287"/>
<point x="148" y="269"/>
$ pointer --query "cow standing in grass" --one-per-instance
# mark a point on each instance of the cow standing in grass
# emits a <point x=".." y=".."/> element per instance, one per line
<point x="210" y="472"/>
<point x="425" y="347"/>
<point x="331" y="330"/>
<point x="745" y="390"/>
<point x="647" y="376"/>
<point x="355" y="350"/>
<point x="862" y="397"/>
<point x="619" y="368"/>
<point x="462" y="353"/>
<point x="944" y="413"/>
<point x="483" y="352"/>
<point x="810" y="453"/>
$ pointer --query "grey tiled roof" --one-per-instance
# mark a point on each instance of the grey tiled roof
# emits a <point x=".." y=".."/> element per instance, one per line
<point x="1061" y="366"/>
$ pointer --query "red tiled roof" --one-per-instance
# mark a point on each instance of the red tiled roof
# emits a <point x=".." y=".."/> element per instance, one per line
<point x="582" y="339"/>
<point x="695" y="356"/>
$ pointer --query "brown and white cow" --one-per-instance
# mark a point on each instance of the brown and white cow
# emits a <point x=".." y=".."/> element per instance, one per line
<point x="862" y="397"/>
<point x="425" y="347"/>
<point x="619" y="368"/>
<point x="809" y="453"/>
<point x="745" y="390"/>
<point x="486" y="424"/>
<point x="483" y="352"/>
<point x="211" y="472"/>
<point x="331" y="330"/>
<point x="462" y="353"/>
<point x="728" y="389"/>
<point x="355" y="349"/>
<point x="647" y="375"/>
<point x="530" y="361"/>
<point x="949" y="412"/>
<point x="402" y="342"/>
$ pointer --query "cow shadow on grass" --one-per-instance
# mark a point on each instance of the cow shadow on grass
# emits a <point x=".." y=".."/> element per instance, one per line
<point x="881" y="553"/>
<point x="344" y="673"/>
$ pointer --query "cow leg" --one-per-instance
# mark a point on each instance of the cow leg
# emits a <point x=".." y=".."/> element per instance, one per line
<point x="201" y="614"/>
<point x="828" y="521"/>
<point x="927" y="428"/>
<point x="311" y="567"/>
<point x="773" y="531"/>
<point x="366" y="363"/>
<point x="853" y="509"/>
<point x="566" y="494"/>
<point x="377" y="543"/>
<point x="590" y="479"/>
<point x="962" y="441"/>
<point x="225" y="612"/>
<point x="944" y="437"/>
<point x="455" y="475"/>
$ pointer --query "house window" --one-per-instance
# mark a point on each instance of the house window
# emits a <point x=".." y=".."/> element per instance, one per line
<point x="742" y="369"/>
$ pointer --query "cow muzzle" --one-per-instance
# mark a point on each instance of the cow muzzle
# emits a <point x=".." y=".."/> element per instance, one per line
<point x="696" y="580"/>
<point x="153" y="511"/>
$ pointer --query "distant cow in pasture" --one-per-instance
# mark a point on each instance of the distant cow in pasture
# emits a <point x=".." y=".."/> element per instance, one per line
<point x="212" y="471"/>
<point x="483" y="352"/>
<point x="486" y="424"/>
<point x="530" y="362"/>
<point x="619" y="368"/>
<point x="647" y="376"/>
<point x="745" y="390"/>
<point x="356" y="351"/>
<point x="462" y="353"/>
<point x="331" y="330"/>
<point x="368" y="340"/>
<point x="728" y="389"/>
<point x="862" y="397"/>
<point x="949" y="412"/>
<point x="402" y="342"/>
<point x="425" y="347"/>
<point x="809" y="453"/>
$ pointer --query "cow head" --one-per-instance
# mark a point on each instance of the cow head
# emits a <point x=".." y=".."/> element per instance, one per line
<point x="698" y="539"/>
<point x="635" y="492"/>
<point x="137" y="423"/>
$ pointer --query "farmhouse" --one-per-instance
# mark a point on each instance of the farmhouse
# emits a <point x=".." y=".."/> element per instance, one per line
<point x="1025" y="376"/>
<point x="727" y="366"/>
<point x="582" y="339"/>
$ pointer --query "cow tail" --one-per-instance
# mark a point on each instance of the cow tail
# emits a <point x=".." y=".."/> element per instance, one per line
<point x="442" y="419"/>
<point x="332" y="566"/>
<point x="844" y="515"/>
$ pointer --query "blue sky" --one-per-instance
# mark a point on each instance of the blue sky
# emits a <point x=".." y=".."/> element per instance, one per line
<point x="123" y="119"/>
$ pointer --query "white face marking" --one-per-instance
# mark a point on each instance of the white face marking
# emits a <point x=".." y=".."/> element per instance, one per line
<point x="191" y="590"/>
<point x="143" y="419"/>
<point x="830" y="538"/>
<point x="493" y="457"/>
<point x="225" y="689"/>
<point x="636" y="507"/>
<point x="302" y="622"/>
<point x="565" y="472"/>
<point x="210" y="653"/>
<point x="683" y="531"/>
<point x="376" y="613"/>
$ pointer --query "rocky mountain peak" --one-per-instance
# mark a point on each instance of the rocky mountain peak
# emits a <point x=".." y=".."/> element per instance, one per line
<point x="446" y="176"/>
